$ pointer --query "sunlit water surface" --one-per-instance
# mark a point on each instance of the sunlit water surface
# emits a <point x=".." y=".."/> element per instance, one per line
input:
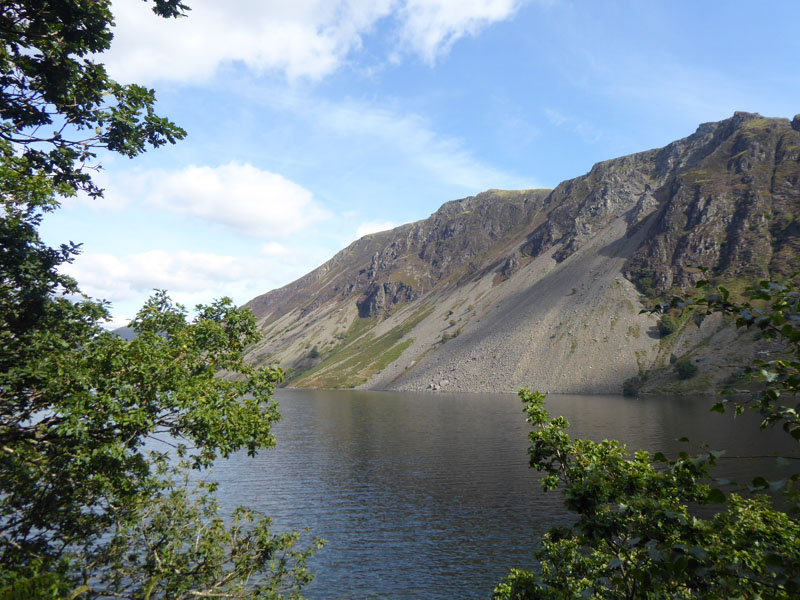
<point x="429" y="496"/>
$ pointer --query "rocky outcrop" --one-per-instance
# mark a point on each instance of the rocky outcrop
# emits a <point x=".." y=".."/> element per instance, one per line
<point x="725" y="198"/>
<point x="380" y="298"/>
<point x="412" y="259"/>
<point x="511" y="265"/>
<point x="585" y="205"/>
<point x="731" y="208"/>
<point x="512" y="288"/>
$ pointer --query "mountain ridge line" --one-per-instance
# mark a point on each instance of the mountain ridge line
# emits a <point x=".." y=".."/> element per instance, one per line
<point x="544" y="288"/>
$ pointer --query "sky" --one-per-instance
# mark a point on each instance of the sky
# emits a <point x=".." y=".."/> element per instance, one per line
<point x="313" y="122"/>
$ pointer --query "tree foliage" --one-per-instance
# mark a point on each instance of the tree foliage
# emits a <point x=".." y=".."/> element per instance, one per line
<point x="639" y="531"/>
<point x="98" y="436"/>
<point x="685" y="368"/>
<point x="667" y="325"/>
<point x="773" y="308"/>
<point x="58" y="105"/>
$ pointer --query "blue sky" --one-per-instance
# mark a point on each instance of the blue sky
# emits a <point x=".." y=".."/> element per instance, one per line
<point x="313" y="122"/>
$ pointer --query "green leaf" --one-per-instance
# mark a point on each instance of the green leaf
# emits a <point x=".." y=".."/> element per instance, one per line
<point x="699" y="553"/>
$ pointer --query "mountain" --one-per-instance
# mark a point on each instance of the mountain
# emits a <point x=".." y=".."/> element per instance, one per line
<point x="544" y="288"/>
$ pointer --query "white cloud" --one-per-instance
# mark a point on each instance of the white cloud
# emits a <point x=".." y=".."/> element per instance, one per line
<point x="431" y="27"/>
<point x="238" y="196"/>
<point x="373" y="227"/>
<point x="189" y="277"/>
<point x="111" y="202"/>
<point x="116" y="322"/>
<point x="384" y="131"/>
<point x="302" y="38"/>
<point x="121" y="278"/>
<point x="274" y="249"/>
<point x="445" y="157"/>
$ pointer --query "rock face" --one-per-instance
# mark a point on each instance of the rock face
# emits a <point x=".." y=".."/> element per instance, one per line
<point x="544" y="287"/>
<point x="380" y="298"/>
<point x="411" y="260"/>
<point x="732" y="205"/>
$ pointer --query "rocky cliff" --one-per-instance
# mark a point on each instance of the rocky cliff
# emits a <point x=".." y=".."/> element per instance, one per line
<point x="544" y="287"/>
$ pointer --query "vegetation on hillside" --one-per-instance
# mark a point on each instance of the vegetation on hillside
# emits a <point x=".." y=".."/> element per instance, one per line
<point x="360" y="355"/>
<point x="98" y="435"/>
<point x="638" y="531"/>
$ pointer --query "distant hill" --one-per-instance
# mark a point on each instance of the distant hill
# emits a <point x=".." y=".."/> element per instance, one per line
<point x="126" y="333"/>
<point x="544" y="287"/>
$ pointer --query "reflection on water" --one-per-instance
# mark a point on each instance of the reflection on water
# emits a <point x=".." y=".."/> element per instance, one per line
<point x="430" y="496"/>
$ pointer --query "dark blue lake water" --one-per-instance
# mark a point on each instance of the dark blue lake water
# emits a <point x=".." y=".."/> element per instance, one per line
<point x="429" y="496"/>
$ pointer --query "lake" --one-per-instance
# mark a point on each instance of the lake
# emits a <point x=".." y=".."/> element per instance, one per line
<point x="430" y="495"/>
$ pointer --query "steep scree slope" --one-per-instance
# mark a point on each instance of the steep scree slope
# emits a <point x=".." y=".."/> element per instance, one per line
<point x="544" y="288"/>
